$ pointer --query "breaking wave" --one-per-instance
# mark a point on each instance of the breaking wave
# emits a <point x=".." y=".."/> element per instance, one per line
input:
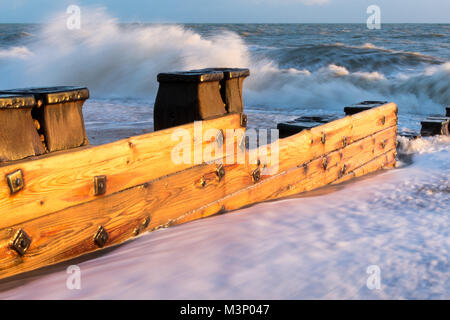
<point x="367" y="57"/>
<point x="116" y="60"/>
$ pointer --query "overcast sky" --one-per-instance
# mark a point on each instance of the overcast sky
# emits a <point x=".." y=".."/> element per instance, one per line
<point x="234" y="11"/>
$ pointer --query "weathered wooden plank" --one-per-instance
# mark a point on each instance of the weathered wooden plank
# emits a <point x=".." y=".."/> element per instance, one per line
<point x="385" y="161"/>
<point x="181" y="197"/>
<point x="313" y="143"/>
<point x="310" y="176"/>
<point x="66" y="179"/>
<point x="55" y="183"/>
<point x="69" y="233"/>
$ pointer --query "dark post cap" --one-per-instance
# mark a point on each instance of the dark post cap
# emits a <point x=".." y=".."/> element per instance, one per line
<point x="191" y="76"/>
<point x="362" y="106"/>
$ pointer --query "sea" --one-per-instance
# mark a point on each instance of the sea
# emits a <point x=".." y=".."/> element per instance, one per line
<point x="320" y="245"/>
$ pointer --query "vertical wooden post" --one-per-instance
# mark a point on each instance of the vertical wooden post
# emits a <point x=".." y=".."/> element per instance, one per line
<point x="232" y="86"/>
<point x="58" y="115"/>
<point x="184" y="97"/>
<point x="18" y="135"/>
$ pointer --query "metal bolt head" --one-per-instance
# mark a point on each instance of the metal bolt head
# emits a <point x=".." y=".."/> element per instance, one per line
<point x="220" y="172"/>
<point x="21" y="242"/>
<point x="342" y="171"/>
<point x="101" y="237"/>
<point x="305" y="167"/>
<point x="325" y="163"/>
<point x="243" y="120"/>
<point x="99" y="185"/>
<point x="256" y="175"/>
<point x="146" y="222"/>
<point x="15" y="181"/>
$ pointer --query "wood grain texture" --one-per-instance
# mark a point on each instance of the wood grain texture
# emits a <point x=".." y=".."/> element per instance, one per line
<point x="232" y="92"/>
<point x="63" y="125"/>
<point x="357" y="159"/>
<point x="259" y="193"/>
<point x="18" y="136"/>
<point x="171" y="194"/>
<point x="308" y="144"/>
<point x="175" y="199"/>
<point x="67" y="178"/>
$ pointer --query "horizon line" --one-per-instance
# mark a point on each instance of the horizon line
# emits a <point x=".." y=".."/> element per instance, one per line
<point x="179" y="22"/>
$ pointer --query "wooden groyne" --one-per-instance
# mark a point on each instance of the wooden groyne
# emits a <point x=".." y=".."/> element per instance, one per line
<point x="61" y="198"/>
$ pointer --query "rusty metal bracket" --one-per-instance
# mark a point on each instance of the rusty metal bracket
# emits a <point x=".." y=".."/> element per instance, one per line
<point x="305" y="167"/>
<point x="142" y="226"/>
<point x="323" y="139"/>
<point x="21" y="242"/>
<point x="220" y="171"/>
<point x="101" y="237"/>
<point x="146" y="222"/>
<point x="343" y="170"/>
<point x="15" y="181"/>
<point x="243" y="120"/>
<point x="99" y="185"/>
<point x="325" y="163"/>
<point x="256" y="175"/>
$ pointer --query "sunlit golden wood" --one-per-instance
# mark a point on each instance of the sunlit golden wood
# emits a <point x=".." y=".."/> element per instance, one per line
<point x="148" y="191"/>
<point x="65" y="179"/>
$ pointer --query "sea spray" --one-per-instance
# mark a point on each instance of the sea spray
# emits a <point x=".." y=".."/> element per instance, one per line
<point x="122" y="60"/>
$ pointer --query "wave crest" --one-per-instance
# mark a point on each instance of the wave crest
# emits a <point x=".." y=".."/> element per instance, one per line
<point x="123" y="61"/>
